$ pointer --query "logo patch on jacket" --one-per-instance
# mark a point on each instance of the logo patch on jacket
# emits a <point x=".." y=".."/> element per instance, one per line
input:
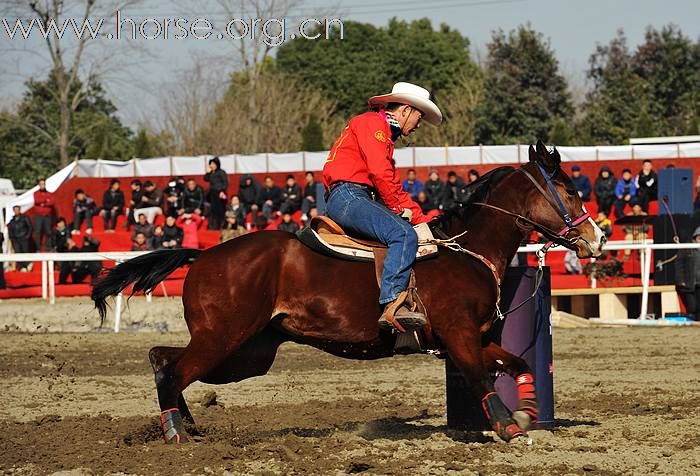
<point x="380" y="136"/>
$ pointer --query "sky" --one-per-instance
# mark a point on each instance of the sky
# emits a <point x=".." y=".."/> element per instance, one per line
<point x="136" y="79"/>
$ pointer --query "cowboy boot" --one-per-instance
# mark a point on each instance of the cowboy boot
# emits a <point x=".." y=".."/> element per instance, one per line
<point x="402" y="314"/>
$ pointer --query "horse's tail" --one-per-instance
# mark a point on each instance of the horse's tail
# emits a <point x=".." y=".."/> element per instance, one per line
<point x="144" y="271"/>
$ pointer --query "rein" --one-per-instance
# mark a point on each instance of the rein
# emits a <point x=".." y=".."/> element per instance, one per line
<point x="554" y="237"/>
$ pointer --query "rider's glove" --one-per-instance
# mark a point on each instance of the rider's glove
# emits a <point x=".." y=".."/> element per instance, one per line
<point x="407" y="214"/>
<point x="425" y="235"/>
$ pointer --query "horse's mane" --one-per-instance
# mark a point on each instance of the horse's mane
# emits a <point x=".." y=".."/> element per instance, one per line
<point x="476" y="191"/>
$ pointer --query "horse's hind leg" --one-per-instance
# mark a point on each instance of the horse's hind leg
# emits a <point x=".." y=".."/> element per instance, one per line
<point x="497" y="359"/>
<point x="464" y="348"/>
<point x="252" y="359"/>
<point x="159" y="358"/>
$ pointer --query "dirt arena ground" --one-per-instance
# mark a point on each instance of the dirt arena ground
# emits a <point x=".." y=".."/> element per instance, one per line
<point x="84" y="403"/>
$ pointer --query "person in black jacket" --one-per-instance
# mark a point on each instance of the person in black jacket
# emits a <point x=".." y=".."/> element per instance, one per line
<point x="604" y="189"/>
<point x="291" y="196"/>
<point x="173" y="196"/>
<point x="192" y="198"/>
<point x="61" y="236"/>
<point x="453" y="191"/>
<point x="687" y="272"/>
<point x="172" y="234"/>
<point x="112" y="205"/>
<point x="20" y="233"/>
<point x="248" y="193"/>
<point x="435" y="190"/>
<point x="136" y="192"/>
<point x="310" y="192"/>
<point x="218" y="185"/>
<point x="647" y="185"/>
<point x="269" y="198"/>
<point x="288" y="224"/>
<point x="83" y="209"/>
<point x="236" y="210"/>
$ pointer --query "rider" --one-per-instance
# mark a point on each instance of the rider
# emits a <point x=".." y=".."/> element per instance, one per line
<point x="366" y="197"/>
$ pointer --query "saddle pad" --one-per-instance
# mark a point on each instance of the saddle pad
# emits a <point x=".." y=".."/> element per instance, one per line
<point x="344" y="247"/>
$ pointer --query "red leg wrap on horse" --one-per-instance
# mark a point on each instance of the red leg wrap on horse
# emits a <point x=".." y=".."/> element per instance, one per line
<point x="527" y="400"/>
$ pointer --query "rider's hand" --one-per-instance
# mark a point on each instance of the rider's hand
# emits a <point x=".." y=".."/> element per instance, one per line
<point x="407" y="214"/>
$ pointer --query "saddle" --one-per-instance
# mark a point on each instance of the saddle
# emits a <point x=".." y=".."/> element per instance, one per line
<point x="327" y="237"/>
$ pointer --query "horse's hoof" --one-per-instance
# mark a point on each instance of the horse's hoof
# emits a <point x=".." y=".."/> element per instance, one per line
<point x="522" y="419"/>
<point x="178" y="438"/>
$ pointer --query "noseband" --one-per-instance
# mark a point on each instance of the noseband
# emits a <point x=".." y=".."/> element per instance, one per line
<point x="553" y="198"/>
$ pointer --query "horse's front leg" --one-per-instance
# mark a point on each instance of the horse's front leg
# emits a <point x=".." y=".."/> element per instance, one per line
<point x="464" y="348"/>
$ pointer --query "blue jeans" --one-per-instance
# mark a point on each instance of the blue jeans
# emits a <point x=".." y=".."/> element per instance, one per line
<point x="352" y="208"/>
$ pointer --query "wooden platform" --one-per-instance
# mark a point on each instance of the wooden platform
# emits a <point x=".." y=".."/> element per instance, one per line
<point x="614" y="303"/>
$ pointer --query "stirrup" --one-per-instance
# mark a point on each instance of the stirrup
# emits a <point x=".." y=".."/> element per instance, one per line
<point x="401" y="314"/>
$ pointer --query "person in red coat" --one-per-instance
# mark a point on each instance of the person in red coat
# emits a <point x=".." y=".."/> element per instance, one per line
<point x="43" y="215"/>
<point x="189" y="222"/>
<point x="366" y="198"/>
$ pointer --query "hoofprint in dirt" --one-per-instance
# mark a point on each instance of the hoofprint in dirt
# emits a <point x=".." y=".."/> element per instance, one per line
<point x="626" y="404"/>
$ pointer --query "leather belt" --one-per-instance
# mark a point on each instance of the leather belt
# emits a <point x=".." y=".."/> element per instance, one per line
<point x="373" y="193"/>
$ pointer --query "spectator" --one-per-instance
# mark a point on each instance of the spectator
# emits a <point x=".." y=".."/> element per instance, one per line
<point x="248" y="192"/>
<point x="136" y="193"/>
<point x="423" y="202"/>
<point x="582" y="183"/>
<point x="218" y="185"/>
<point x="173" y="194"/>
<point x="291" y="196"/>
<point x="453" y="191"/>
<point x="572" y="265"/>
<point x="310" y="191"/>
<point x="604" y="223"/>
<point x="625" y="191"/>
<point x="157" y="239"/>
<point x="189" y="222"/>
<point x="66" y="267"/>
<point x="260" y="223"/>
<point x="193" y="198"/>
<point x="269" y="198"/>
<point x="647" y="185"/>
<point x="635" y="232"/>
<point x="288" y="224"/>
<point x="140" y="242"/>
<point x="43" y="214"/>
<point x="112" y="205"/>
<point x="473" y="175"/>
<point x="687" y="272"/>
<point x="231" y="229"/>
<point x="61" y="236"/>
<point x="151" y="202"/>
<point x="142" y="226"/>
<point x="19" y="230"/>
<point x="83" y="209"/>
<point x="412" y="185"/>
<point x="435" y="189"/>
<point x="79" y="270"/>
<point x="604" y="189"/>
<point x="236" y="210"/>
<point x="172" y="234"/>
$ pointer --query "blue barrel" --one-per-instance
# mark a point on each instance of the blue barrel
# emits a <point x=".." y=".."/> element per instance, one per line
<point x="527" y="333"/>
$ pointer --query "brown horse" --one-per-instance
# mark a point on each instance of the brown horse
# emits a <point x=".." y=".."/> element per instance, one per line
<point x="245" y="297"/>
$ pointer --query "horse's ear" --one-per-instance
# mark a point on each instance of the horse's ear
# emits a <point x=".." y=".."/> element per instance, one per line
<point x="556" y="156"/>
<point x="542" y="150"/>
<point x="533" y="155"/>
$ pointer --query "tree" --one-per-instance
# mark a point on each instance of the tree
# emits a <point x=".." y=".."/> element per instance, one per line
<point x="66" y="58"/>
<point x="312" y="135"/>
<point x="525" y="93"/>
<point x="283" y="107"/>
<point x="369" y="60"/>
<point x="27" y="138"/>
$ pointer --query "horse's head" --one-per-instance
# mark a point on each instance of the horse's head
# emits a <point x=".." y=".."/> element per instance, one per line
<point x="555" y="205"/>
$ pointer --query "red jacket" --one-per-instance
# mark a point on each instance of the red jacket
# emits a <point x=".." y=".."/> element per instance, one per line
<point x="364" y="154"/>
<point x="43" y="203"/>
<point x="190" y="239"/>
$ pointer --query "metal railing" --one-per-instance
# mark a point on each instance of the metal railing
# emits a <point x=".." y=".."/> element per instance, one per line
<point x="48" y="285"/>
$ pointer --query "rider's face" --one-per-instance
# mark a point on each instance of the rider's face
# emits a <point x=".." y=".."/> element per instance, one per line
<point x="410" y="119"/>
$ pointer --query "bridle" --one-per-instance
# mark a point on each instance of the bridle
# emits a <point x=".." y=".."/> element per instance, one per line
<point x="560" y="237"/>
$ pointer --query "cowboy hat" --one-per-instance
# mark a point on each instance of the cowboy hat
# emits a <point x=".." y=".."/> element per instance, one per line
<point x="414" y="96"/>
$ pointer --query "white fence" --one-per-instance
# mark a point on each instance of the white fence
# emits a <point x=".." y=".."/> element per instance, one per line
<point x="48" y="286"/>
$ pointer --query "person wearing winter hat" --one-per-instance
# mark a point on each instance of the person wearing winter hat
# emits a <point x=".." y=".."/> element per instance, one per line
<point x="360" y="170"/>
<point x="604" y="189"/>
